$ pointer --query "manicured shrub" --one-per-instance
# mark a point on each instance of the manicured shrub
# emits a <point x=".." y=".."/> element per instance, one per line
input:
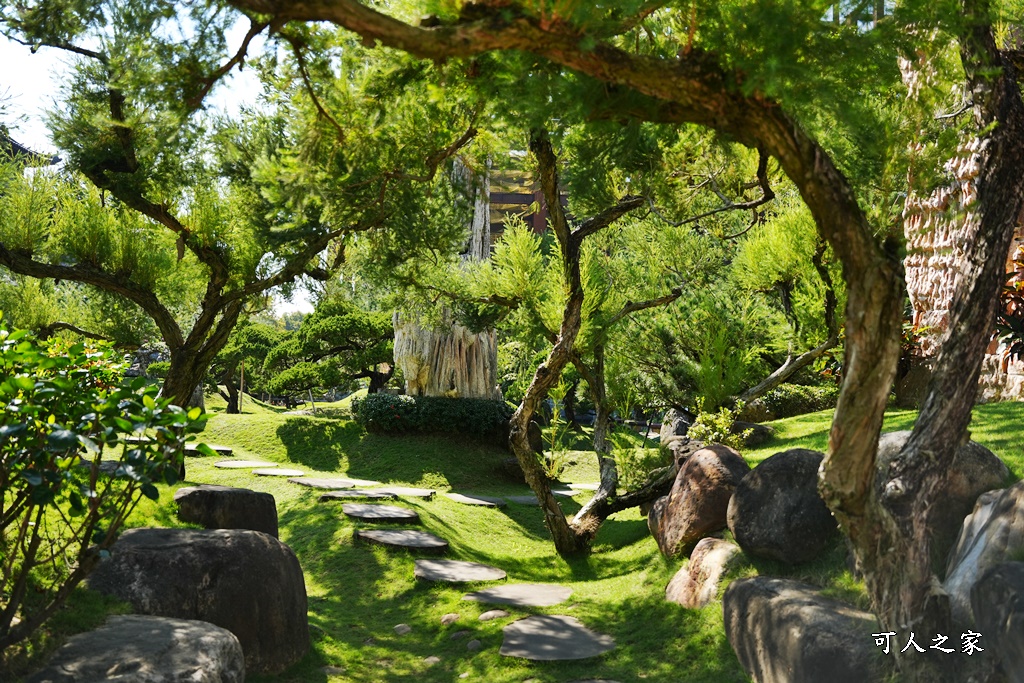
<point x="795" y="399"/>
<point x="478" y="418"/>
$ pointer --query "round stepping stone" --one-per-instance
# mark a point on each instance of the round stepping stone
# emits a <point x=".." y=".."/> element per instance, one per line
<point x="379" y="513"/>
<point x="550" y="638"/>
<point x="332" y="483"/>
<point x="410" y="539"/>
<point x="355" y="494"/>
<point x="280" y="472"/>
<point x="522" y="595"/>
<point x="584" y="487"/>
<point x="456" y="571"/>
<point x="243" y="464"/>
<point x="408" y="491"/>
<point x="485" y="501"/>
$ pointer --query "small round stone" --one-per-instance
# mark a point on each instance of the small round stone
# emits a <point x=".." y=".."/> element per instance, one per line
<point x="493" y="614"/>
<point x="432" y="660"/>
<point x="473" y="645"/>
<point x="449" y="618"/>
<point x="402" y="629"/>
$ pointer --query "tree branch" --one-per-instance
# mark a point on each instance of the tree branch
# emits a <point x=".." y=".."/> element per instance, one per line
<point x="255" y="28"/>
<point x="608" y="216"/>
<point x="632" y="307"/>
<point x="547" y="171"/>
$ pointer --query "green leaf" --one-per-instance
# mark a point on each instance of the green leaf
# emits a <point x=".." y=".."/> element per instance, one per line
<point x="89" y="444"/>
<point x="194" y="413"/>
<point x="62" y="439"/>
<point x="22" y="382"/>
<point x="148" y="401"/>
<point x="150" y="491"/>
<point x="170" y="476"/>
<point x="32" y="477"/>
<point x="206" y="450"/>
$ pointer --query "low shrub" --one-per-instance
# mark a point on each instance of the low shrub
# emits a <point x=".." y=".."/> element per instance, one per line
<point x="717" y="427"/>
<point x="795" y="399"/>
<point x="478" y="418"/>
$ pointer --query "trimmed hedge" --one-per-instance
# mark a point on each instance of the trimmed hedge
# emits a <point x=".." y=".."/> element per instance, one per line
<point x="476" y="417"/>
<point x="789" y="400"/>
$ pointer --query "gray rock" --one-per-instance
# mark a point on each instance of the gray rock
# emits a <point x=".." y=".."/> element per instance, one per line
<point x="459" y="635"/>
<point x="784" y="631"/>
<point x="553" y="638"/>
<point x="407" y="491"/>
<point x="245" y="581"/>
<point x="491" y="615"/>
<point x="756" y="434"/>
<point x="975" y="470"/>
<point x="473" y="645"/>
<point x="243" y="464"/>
<point x="698" y="501"/>
<point x="432" y="660"/>
<point x="522" y="595"/>
<point x="777" y="512"/>
<point x="991" y="535"/>
<point x="332" y="482"/>
<point x="409" y="539"/>
<point x="143" y="649"/>
<point x="456" y="571"/>
<point x="675" y="423"/>
<point x="278" y="472"/>
<point x="997" y="599"/>
<point x="696" y="584"/>
<point x="403" y="629"/>
<point x="379" y="513"/>
<point x="355" y="494"/>
<point x="224" y="507"/>
<point x="449" y="619"/>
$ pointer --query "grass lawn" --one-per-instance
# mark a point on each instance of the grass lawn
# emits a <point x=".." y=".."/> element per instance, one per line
<point x="358" y="593"/>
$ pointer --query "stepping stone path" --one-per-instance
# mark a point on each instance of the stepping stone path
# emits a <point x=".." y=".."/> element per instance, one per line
<point x="333" y="483"/>
<point x="243" y="464"/>
<point x="279" y="472"/>
<point x="584" y="487"/>
<point x="368" y="512"/>
<point x="485" y="501"/>
<point x="456" y="571"/>
<point x="410" y="539"/>
<point x="522" y="595"/>
<point x="551" y="638"/>
<point x="351" y="494"/>
<point x="408" y="491"/>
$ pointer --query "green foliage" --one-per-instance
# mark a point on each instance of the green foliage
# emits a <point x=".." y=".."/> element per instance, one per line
<point x="633" y="462"/>
<point x="717" y="427"/>
<point x="158" y="369"/>
<point x="66" y="411"/>
<point x="796" y="399"/>
<point x="388" y="413"/>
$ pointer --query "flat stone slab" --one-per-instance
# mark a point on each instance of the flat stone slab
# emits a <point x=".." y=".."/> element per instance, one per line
<point x="333" y="483"/>
<point x="278" y="472"/>
<point x="243" y="464"/>
<point x="550" y="638"/>
<point x="368" y="512"/>
<point x="456" y="571"/>
<point x="356" y="494"/>
<point x="408" y="491"/>
<point x="523" y="500"/>
<point x="584" y="487"/>
<point x="404" y="538"/>
<point x="565" y="493"/>
<point x="522" y="595"/>
<point x="468" y="499"/>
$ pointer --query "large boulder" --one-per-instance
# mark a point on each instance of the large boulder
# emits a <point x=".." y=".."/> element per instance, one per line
<point x="991" y="535"/>
<point x="224" y="507"/>
<point x="140" y="649"/>
<point x="696" y="584"/>
<point x="754" y="434"/>
<point x="997" y="600"/>
<point x="675" y="423"/>
<point x="975" y="470"/>
<point x="697" y="503"/>
<point x="245" y="581"/>
<point x="784" y="631"/>
<point x="777" y="512"/>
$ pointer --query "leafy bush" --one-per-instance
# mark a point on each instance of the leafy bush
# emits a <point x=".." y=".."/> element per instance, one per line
<point x="716" y="427"/>
<point x="61" y="511"/>
<point x="794" y="399"/>
<point x="387" y="413"/>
